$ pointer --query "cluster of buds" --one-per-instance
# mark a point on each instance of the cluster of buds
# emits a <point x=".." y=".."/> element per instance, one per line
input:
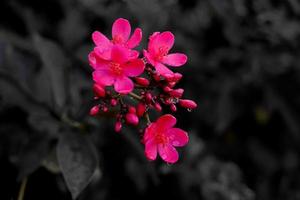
<point x="121" y="74"/>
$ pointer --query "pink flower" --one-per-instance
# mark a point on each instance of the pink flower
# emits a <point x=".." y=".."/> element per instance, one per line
<point x="158" y="53"/>
<point x="161" y="137"/>
<point x="121" y="30"/>
<point x="116" y="68"/>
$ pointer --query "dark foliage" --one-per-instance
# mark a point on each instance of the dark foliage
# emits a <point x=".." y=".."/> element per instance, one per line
<point x="243" y="71"/>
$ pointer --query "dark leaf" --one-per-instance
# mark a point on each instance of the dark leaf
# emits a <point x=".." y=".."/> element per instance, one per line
<point x="32" y="155"/>
<point x="55" y="63"/>
<point x="78" y="161"/>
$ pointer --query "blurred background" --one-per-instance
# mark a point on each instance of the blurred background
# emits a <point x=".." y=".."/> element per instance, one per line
<point x="243" y="71"/>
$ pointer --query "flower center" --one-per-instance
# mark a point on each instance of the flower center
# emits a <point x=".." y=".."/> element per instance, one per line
<point x="161" y="139"/>
<point x="115" y="68"/>
<point x="117" y="39"/>
<point x="162" y="51"/>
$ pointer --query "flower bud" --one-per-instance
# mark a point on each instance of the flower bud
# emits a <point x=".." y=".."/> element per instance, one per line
<point x="131" y="109"/>
<point x="156" y="77"/>
<point x="132" y="119"/>
<point x="171" y="84"/>
<point x="118" y="126"/>
<point x="142" y="81"/>
<point x="113" y="102"/>
<point x="99" y="91"/>
<point x="157" y="107"/>
<point x="148" y="96"/>
<point x="167" y="89"/>
<point x="168" y="101"/>
<point x="177" y="93"/>
<point x="94" y="110"/>
<point x="105" y="108"/>
<point x="140" y="109"/>
<point x="186" y="103"/>
<point x="177" y="77"/>
<point x="173" y="108"/>
<point x="169" y="77"/>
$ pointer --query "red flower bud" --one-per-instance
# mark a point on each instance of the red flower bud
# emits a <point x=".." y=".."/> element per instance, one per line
<point x="132" y="119"/>
<point x="156" y="77"/>
<point x="186" y="103"/>
<point x="177" y="93"/>
<point x="173" y="108"/>
<point x="118" y="126"/>
<point x="140" y="109"/>
<point x="169" y="77"/>
<point x="177" y="77"/>
<point x="94" y="110"/>
<point x="148" y="97"/>
<point x="113" y="102"/>
<point x="167" y="89"/>
<point x="131" y="109"/>
<point x="99" y="91"/>
<point x="171" y="84"/>
<point x="168" y="101"/>
<point x="157" y="107"/>
<point x="142" y="81"/>
<point x="105" y="108"/>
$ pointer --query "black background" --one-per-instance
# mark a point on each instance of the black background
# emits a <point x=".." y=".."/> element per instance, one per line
<point x="243" y="71"/>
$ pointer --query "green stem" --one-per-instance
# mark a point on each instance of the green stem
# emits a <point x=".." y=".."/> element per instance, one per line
<point x="22" y="188"/>
<point x="135" y="96"/>
<point x="147" y="118"/>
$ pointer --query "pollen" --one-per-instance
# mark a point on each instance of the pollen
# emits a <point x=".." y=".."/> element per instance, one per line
<point x="161" y="139"/>
<point x="117" y="39"/>
<point x="115" y="68"/>
<point x="162" y="51"/>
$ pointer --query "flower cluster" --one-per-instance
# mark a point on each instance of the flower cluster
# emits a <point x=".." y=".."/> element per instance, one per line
<point x="146" y="79"/>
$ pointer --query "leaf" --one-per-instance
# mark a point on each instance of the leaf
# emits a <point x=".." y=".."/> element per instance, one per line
<point x="78" y="161"/>
<point x="32" y="155"/>
<point x="55" y="63"/>
<point x="72" y="29"/>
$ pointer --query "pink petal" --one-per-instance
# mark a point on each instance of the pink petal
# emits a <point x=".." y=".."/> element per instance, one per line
<point x="96" y="62"/>
<point x="166" y="122"/>
<point x="121" y="30"/>
<point x="151" y="149"/>
<point x="133" y="67"/>
<point x="103" y="77"/>
<point x="100" y="39"/>
<point x="162" y="69"/>
<point x="135" y="38"/>
<point x="120" y="54"/>
<point x="149" y="58"/>
<point x="168" y="153"/>
<point x="123" y="85"/>
<point x="165" y="40"/>
<point x="134" y="54"/>
<point x="149" y="132"/>
<point x="105" y="54"/>
<point x="175" y="59"/>
<point x="92" y="59"/>
<point x="177" y="137"/>
<point x="152" y="37"/>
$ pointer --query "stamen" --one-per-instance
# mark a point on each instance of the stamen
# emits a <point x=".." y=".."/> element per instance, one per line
<point x="115" y="68"/>
<point x="117" y="39"/>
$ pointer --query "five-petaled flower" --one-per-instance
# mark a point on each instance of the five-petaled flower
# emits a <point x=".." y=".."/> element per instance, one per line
<point x="158" y="53"/>
<point x="160" y="137"/>
<point x="121" y="30"/>
<point x="116" y="68"/>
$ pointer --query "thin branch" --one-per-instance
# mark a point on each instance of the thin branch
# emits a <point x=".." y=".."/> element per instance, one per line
<point x="135" y="96"/>
<point x="22" y="189"/>
<point x="147" y="118"/>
